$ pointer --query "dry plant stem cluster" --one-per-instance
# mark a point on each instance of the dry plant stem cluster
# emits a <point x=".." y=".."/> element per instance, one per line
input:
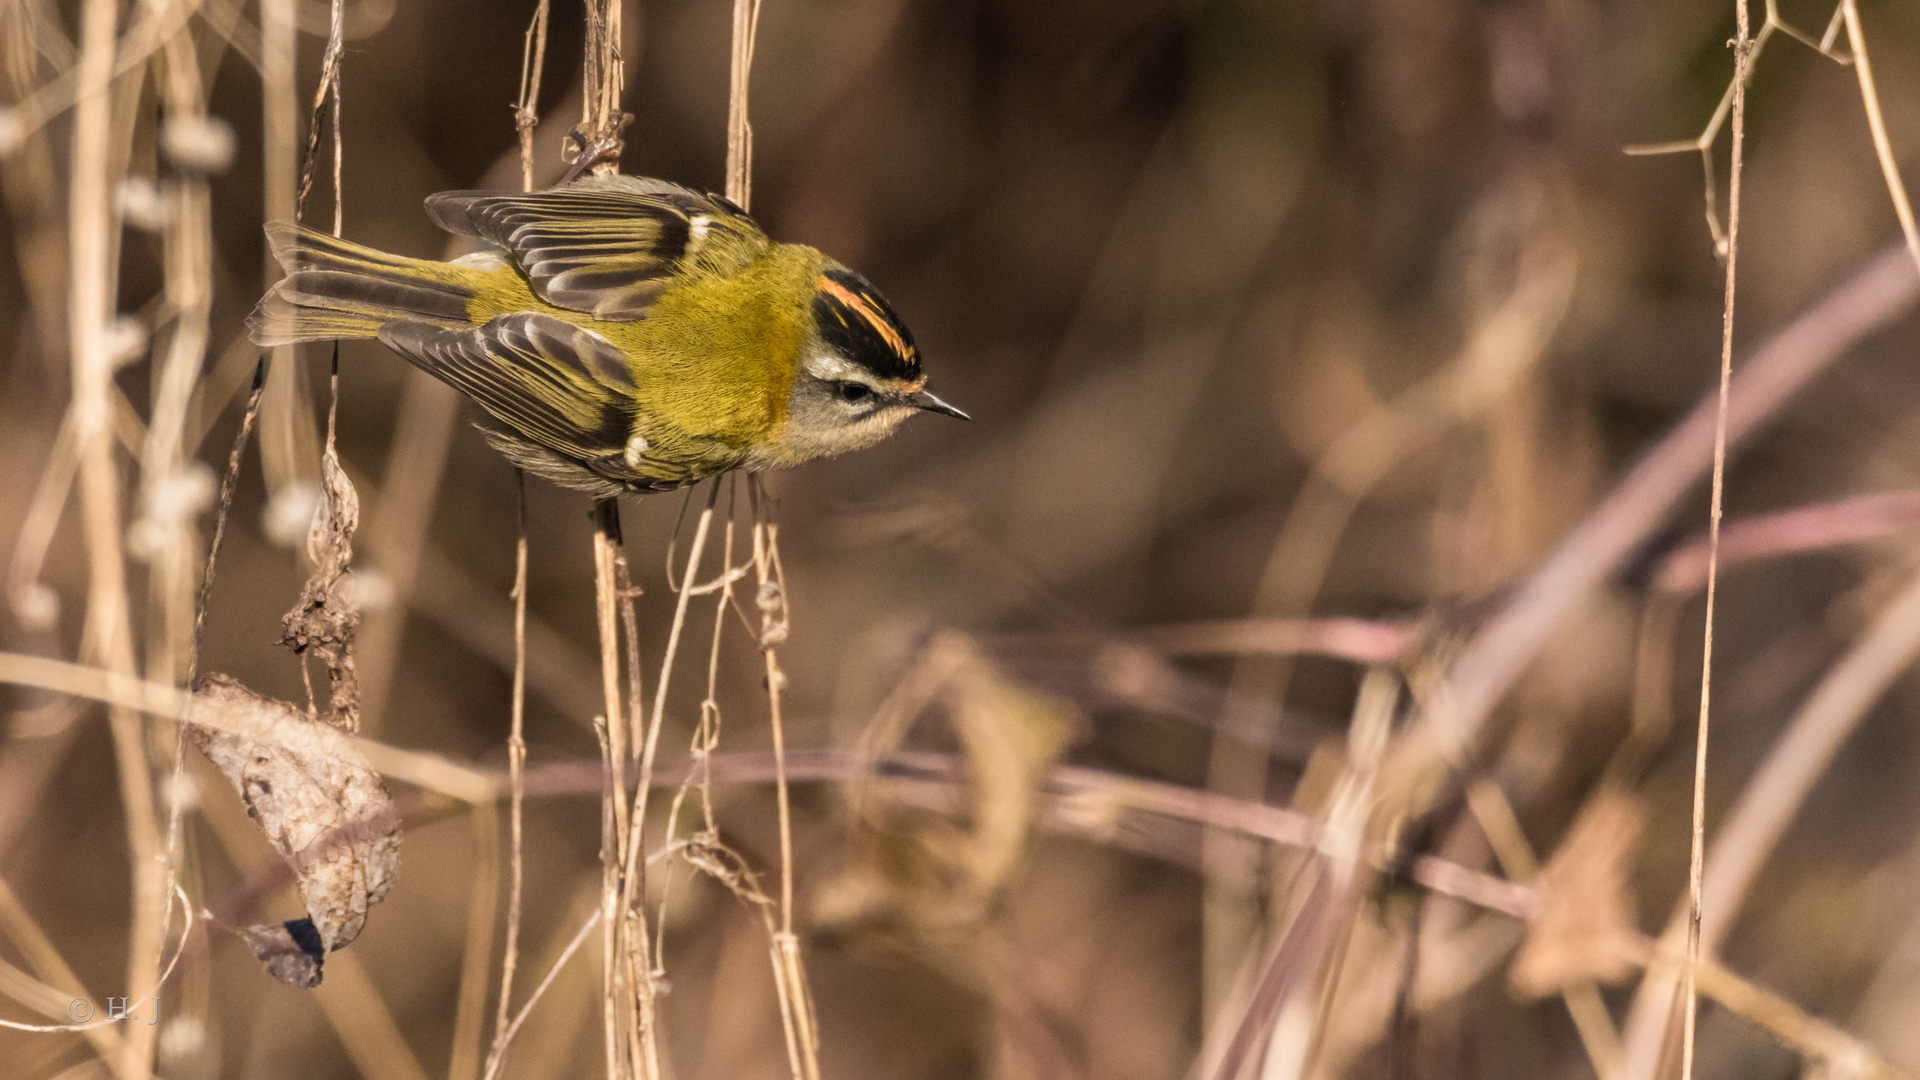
<point x="1082" y="801"/>
<point x="632" y="958"/>
<point x="1503" y="344"/>
<point x="99" y="148"/>
<point x="105" y="89"/>
<point x="171" y="491"/>
<point x="1448" y="722"/>
<point x="1643" y="1028"/>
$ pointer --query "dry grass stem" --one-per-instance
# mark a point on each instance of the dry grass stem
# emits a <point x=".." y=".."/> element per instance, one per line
<point x="1882" y="146"/>
<point x="469" y="1039"/>
<point x="533" y="59"/>
<point x="424" y="770"/>
<point x="525" y="118"/>
<point x="517" y="785"/>
<point x="598" y="142"/>
<point x="1814" y="527"/>
<point x="496" y="1062"/>
<point x="360" y="1016"/>
<point x="1696" y="863"/>
<point x="616" y="989"/>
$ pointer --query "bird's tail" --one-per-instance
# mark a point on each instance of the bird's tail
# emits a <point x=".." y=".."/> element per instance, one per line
<point x="334" y="289"/>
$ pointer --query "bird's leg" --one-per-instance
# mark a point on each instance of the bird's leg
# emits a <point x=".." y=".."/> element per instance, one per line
<point x="591" y="152"/>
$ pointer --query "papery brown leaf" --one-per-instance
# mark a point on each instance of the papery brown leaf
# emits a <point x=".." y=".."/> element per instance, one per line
<point x="316" y="800"/>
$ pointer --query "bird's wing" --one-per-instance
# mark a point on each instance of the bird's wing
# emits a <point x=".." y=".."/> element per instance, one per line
<point x="606" y="247"/>
<point x="562" y="386"/>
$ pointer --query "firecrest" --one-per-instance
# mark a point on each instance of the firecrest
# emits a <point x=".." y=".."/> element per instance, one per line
<point x="622" y="334"/>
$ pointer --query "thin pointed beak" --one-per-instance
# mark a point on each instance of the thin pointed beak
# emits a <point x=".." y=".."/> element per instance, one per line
<point x="920" y="399"/>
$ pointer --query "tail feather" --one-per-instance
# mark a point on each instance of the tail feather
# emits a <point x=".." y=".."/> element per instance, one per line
<point x="336" y="289"/>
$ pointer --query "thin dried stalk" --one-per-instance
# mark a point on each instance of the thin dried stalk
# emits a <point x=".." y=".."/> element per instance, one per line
<point x="706" y="736"/>
<point x="360" y="1016"/>
<point x="1702" y="143"/>
<point x="637" y="954"/>
<point x="289" y="443"/>
<point x="533" y="57"/>
<point x="494" y="1064"/>
<point x="746" y="29"/>
<point x="1759" y="817"/>
<point x="517" y="782"/>
<point x="97" y="161"/>
<point x="613" y="817"/>
<point x="642" y="970"/>
<point x="228" y="482"/>
<point x="1882" y="147"/>
<point x="604" y="75"/>
<point x="628" y="1035"/>
<point x="798" y="1021"/>
<point x="329" y="86"/>
<point x="1696" y="865"/>
<point x="120" y="691"/>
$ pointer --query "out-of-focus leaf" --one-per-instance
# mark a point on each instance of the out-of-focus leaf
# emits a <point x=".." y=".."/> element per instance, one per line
<point x="915" y="874"/>
<point x="1583" y="928"/>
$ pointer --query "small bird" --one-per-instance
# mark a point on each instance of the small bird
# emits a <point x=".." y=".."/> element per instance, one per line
<point x="622" y="334"/>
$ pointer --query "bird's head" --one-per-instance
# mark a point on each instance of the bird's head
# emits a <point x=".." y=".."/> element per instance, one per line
<point x="859" y="374"/>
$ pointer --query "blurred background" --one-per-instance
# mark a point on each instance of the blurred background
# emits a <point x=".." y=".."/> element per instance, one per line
<point x="1279" y="309"/>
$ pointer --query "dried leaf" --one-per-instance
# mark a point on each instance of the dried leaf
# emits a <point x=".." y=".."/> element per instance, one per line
<point x="913" y="875"/>
<point x="1583" y="928"/>
<point x="325" y="620"/>
<point x="318" y="803"/>
<point x="290" y="951"/>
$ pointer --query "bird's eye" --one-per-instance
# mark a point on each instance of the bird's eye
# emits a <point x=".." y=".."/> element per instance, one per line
<point x="854" y="392"/>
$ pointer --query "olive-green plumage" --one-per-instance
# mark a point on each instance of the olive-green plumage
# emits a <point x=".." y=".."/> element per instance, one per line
<point x="622" y="334"/>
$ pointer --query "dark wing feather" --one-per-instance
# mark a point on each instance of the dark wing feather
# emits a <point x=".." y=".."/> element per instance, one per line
<point x="556" y="384"/>
<point x="606" y="246"/>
